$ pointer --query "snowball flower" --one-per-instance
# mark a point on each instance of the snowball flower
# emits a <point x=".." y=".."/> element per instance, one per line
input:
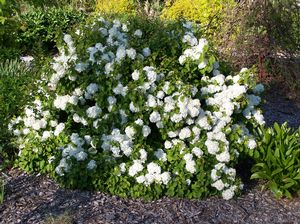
<point x="59" y="128"/>
<point x="138" y="33"/>
<point x="165" y="177"/>
<point x="135" y="75"/>
<point x="93" y="112"/>
<point x="130" y="132"/>
<point x="161" y="155"/>
<point x="91" y="165"/>
<point x="184" y="133"/>
<point x="219" y="185"/>
<point x="92" y="88"/>
<point x="61" y="102"/>
<point x="131" y="53"/>
<point x="197" y="152"/>
<point x="81" y="156"/>
<point x="153" y="168"/>
<point x="154" y="117"/>
<point x="135" y="168"/>
<point x="146" y="52"/>
<point x="146" y="130"/>
<point x="252" y="144"/>
<point x="229" y="193"/>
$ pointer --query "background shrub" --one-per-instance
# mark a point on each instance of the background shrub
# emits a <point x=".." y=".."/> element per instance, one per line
<point x="115" y="6"/>
<point x="40" y="28"/>
<point x="209" y="14"/>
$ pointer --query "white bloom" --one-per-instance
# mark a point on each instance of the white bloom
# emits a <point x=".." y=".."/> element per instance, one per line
<point x="165" y="177"/>
<point x="111" y="100"/>
<point x="135" y="168"/>
<point x="121" y="52"/>
<point x="120" y="89"/>
<point x="80" y="67"/>
<point x="130" y="132"/>
<point x="53" y="123"/>
<point x="252" y="144"/>
<point x="153" y="168"/>
<point x="228" y="194"/>
<point x="141" y="179"/>
<point x="81" y="156"/>
<point x="146" y="52"/>
<point x="122" y="167"/>
<point x="46" y="135"/>
<point x="161" y="155"/>
<point x="139" y="122"/>
<point x="202" y="64"/>
<point x="59" y="128"/>
<point x="151" y="102"/>
<point x="93" y="112"/>
<point x="259" y="117"/>
<point x="190" y="166"/>
<point x="172" y="134"/>
<point x="135" y="75"/>
<point x="92" y="88"/>
<point x="61" y="102"/>
<point x="184" y="133"/>
<point x="223" y="157"/>
<point x="143" y="154"/>
<point x="160" y="94"/>
<point x="138" y="33"/>
<point x="197" y="152"/>
<point x="212" y="146"/>
<point x="168" y="144"/>
<point x="154" y="117"/>
<point x="91" y="165"/>
<point x="146" y="130"/>
<point x="131" y="53"/>
<point x="73" y="100"/>
<point x="133" y="108"/>
<point x="219" y="185"/>
<point x="152" y="76"/>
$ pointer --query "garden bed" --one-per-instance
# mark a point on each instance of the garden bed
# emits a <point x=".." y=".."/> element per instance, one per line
<point x="35" y="198"/>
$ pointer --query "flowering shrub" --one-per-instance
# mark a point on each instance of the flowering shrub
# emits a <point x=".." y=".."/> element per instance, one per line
<point x="140" y="109"/>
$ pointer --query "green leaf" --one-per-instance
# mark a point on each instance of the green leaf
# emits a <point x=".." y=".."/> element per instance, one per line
<point x="259" y="175"/>
<point x="278" y="170"/>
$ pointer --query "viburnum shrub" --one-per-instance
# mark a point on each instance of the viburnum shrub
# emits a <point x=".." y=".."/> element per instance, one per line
<point x="140" y="109"/>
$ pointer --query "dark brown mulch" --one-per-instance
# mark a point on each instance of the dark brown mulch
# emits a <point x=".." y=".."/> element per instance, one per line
<point x="33" y="198"/>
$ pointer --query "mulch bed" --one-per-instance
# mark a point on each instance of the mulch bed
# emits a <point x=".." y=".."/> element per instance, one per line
<point x="33" y="198"/>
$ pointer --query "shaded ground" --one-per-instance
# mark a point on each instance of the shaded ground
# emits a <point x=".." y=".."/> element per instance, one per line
<point x="33" y="198"/>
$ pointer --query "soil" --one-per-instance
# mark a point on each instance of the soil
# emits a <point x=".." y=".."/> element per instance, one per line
<point x="35" y="198"/>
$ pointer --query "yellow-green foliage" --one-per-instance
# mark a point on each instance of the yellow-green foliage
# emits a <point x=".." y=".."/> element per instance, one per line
<point x="207" y="12"/>
<point x="115" y="6"/>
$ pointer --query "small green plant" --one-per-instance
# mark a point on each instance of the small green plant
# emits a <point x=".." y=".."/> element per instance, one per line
<point x="278" y="160"/>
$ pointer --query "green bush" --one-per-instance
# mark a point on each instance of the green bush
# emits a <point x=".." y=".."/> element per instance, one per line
<point x="40" y="28"/>
<point x="277" y="160"/>
<point x="140" y="108"/>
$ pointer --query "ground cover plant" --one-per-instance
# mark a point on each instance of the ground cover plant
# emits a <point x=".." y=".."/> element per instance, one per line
<point x="277" y="160"/>
<point x="140" y="108"/>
